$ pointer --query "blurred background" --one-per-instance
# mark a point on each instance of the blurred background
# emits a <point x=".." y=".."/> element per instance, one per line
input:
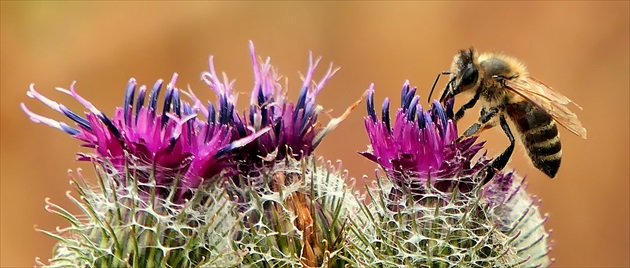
<point x="579" y="48"/>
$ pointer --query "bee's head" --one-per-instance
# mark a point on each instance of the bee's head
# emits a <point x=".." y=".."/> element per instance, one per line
<point x="464" y="74"/>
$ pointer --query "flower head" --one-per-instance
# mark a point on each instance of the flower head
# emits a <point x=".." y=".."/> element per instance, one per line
<point x="435" y="208"/>
<point x="160" y="145"/>
<point x="293" y="127"/>
<point x="421" y="144"/>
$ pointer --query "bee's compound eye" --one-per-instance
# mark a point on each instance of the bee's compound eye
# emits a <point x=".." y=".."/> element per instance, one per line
<point x="469" y="75"/>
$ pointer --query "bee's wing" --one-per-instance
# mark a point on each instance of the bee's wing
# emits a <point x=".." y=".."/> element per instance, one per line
<point x="549" y="100"/>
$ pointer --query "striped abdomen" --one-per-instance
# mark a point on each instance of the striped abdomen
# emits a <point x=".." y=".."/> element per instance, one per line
<point x="539" y="134"/>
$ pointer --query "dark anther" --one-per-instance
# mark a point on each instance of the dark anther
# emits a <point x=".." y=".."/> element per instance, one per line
<point x="385" y="115"/>
<point x="261" y="96"/>
<point x="370" y="105"/>
<point x="224" y="110"/>
<point x="69" y="130"/>
<point x="189" y="124"/>
<point x="177" y="103"/>
<point x="438" y="110"/>
<point x="140" y="102"/>
<point x="403" y="95"/>
<point x="153" y="96"/>
<point x="264" y="114"/>
<point x="128" y="102"/>
<point x="411" y="113"/>
<point x="238" y="124"/>
<point x="406" y="101"/>
<point x="76" y="118"/>
<point x="112" y="128"/>
<point x="301" y="103"/>
<point x="167" y="106"/>
<point x="422" y="123"/>
<point x="212" y="116"/>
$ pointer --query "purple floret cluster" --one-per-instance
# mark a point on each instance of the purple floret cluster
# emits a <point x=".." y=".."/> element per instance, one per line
<point x="187" y="143"/>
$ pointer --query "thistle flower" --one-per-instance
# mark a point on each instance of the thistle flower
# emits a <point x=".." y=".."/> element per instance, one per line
<point x="434" y="210"/>
<point x="421" y="144"/>
<point x="179" y="190"/>
<point x="154" y="146"/>
<point x="286" y="129"/>
<point x="150" y="164"/>
<point x="292" y="208"/>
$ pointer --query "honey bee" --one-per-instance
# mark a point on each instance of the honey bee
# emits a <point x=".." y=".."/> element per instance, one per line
<point x="507" y="91"/>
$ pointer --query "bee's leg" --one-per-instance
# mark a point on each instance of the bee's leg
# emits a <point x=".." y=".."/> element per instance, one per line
<point x="466" y="106"/>
<point x="484" y="121"/>
<point x="501" y="161"/>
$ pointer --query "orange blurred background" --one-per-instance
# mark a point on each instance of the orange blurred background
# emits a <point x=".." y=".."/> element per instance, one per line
<point x="580" y="48"/>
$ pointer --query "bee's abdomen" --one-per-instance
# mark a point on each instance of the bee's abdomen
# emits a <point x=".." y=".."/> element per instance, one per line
<point x="539" y="134"/>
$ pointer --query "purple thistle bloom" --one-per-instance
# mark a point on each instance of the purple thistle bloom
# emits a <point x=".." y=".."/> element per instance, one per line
<point x="293" y="127"/>
<point x="176" y="147"/>
<point x="421" y="144"/>
<point x="439" y="196"/>
<point x="152" y="145"/>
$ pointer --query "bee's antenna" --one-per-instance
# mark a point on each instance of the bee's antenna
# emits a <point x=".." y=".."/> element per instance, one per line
<point x="435" y="83"/>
